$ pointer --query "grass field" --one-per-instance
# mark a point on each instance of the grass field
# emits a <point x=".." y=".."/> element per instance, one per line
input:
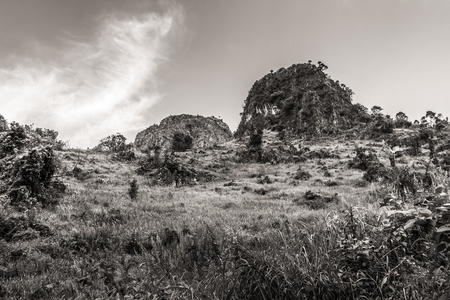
<point x="250" y="234"/>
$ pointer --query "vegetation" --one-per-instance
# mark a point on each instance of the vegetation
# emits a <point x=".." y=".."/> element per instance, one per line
<point x="134" y="189"/>
<point x="359" y="214"/>
<point x="116" y="144"/>
<point x="29" y="165"/>
<point x="301" y="99"/>
<point x="181" y="142"/>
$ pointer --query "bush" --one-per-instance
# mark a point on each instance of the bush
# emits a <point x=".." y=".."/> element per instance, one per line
<point x="302" y="174"/>
<point x="113" y="143"/>
<point x="133" y="190"/>
<point x="181" y="142"/>
<point x="375" y="172"/>
<point x="404" y="181"/>
<point x="14" y="140"/>
<point x="316" y="201"/>
<point x="256" y="140"/>
<point x="125" y="155"/>
<point x="30" y="178"/>
<point x="363" y="159"/>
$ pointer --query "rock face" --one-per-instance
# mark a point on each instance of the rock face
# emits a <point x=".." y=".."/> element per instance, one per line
<point x="3" y="124"/>
<point x="301" y="99"/>
<point x="204" y="131"/>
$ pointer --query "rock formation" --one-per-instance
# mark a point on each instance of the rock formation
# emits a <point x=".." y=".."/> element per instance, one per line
<point x="301" y="99"/>
<point x="3" y="124"/>
<point x="204" y="131"/>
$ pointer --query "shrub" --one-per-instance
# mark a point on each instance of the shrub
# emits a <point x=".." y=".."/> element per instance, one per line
<point x="14" y="140"/>
<point x="181" y="142"/>
<point x="363" y="159"/>
<point x="404" y="181"/>
<point x="256" y="139"/>
<point x="30" y="178"/>
<point x="375" y="172"/>
<point x="316" y="201"/>
<point x="134" y="189"/>
<point x="125" y="155"/>
<point x="114" y="142"/>
<point x="134" y="246"/>
<point x="302" y="174"/>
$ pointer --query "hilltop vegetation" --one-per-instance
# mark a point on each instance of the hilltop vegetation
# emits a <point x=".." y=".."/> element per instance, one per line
<point x="360" y="212"/>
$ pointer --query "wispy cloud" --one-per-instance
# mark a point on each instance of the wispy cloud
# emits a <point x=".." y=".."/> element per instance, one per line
<point x="92" y="89"/>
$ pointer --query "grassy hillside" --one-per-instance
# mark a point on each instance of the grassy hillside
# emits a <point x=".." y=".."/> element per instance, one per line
<point x="308" y="226"/>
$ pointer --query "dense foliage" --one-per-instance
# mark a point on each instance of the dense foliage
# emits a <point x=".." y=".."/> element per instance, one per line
<point x="116" y="144"/>
<point x="28" y="165"/>
<point x="181" y="142"/>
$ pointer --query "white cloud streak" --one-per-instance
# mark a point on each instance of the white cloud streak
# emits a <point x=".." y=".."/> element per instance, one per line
<point x="92" y="89"/>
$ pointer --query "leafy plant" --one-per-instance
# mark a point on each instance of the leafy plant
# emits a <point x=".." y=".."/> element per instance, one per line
<point x="31" y="178"/>
<point x="14" y="140"/>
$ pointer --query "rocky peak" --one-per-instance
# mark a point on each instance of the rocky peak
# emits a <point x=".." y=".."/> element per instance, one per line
<point x="204" y="131"/>
<point x="3" y="124"/>
<point x="301" y="99"/>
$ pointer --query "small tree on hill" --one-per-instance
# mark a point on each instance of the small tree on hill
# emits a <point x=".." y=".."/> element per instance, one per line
<point x="31" y="178"/>
<point x="14" y="140"/>
<point x="114" y="142"/>
<point x="133" y="189"/>
<point x="255" y="144"/>
<point x="376" y="110"/>
<point x="401" y="120"/>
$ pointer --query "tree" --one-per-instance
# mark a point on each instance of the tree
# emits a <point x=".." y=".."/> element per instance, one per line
<point x="114" y="143"/>
<point x="376" y="110"/>
<point x="322" y="66"/>
<point x="15" y="140"/>
<point x="133" y="189"/>
<point x="401" y="117"/>
<point x="401" y="120"/>
<point x="430" y="117"/>
<point x="255" y="144"/>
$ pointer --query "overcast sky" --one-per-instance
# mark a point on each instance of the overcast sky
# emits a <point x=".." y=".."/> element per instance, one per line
<point x="91" y="68"/>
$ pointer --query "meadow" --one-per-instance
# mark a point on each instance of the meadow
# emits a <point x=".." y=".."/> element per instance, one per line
<point x="254" y="231"/>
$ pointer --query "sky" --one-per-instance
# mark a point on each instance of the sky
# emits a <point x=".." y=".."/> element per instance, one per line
<point x="91" y="68"/>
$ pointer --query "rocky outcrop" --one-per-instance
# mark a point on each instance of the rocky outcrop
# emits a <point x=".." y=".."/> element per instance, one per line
<point x="204" y="131"/>
<point x="3" y="124"/>
<point x="301" y="99"/>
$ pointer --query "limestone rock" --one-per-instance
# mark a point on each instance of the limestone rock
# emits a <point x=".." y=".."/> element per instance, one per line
<point x="204" y="131"/>
<point x="301" y="100"/>
<point x="3" y="124"/>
